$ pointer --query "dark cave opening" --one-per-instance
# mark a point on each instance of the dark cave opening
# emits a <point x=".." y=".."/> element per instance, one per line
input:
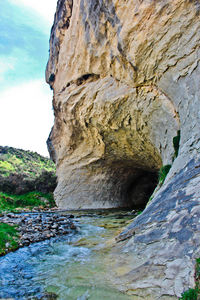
<point x="140" y="188"/>
<point x="130" y="186"/>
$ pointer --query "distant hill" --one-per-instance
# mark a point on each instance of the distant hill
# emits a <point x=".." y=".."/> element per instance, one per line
<point x="25" y="171"/>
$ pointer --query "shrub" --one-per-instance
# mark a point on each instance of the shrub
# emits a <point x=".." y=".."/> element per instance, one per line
<point x="191" y="294"/>
<point x="163" y="173"/>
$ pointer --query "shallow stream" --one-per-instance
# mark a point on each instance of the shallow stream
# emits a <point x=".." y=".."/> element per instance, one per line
<point x="71" y="267"/>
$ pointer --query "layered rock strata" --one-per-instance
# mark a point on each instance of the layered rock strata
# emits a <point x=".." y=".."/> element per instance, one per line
<point x="125" y="76"/>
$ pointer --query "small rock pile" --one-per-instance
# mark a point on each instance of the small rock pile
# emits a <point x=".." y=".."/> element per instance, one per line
<point x="39" y="226"/>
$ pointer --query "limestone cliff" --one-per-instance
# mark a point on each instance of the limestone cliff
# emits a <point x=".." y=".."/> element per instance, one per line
<point x="125" y="76"/>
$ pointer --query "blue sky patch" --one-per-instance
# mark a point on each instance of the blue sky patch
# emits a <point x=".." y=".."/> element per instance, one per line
<point x="23" y="47"/>
<point x="26" y="114"/>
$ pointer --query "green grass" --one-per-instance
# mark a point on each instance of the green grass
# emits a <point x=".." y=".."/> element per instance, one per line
<point x="9" y="202"/>
<point x="8" y="238"/>
<point x="163" y="173"/>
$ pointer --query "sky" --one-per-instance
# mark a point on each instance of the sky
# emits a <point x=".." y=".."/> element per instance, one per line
<point x="26" y="114"/>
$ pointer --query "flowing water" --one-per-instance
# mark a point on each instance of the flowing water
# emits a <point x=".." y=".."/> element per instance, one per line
<point x="71" y="267"/>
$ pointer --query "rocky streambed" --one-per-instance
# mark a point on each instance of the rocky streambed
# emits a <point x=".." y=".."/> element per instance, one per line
<point x="75" y="265"/>
<point x="39" y="226"/>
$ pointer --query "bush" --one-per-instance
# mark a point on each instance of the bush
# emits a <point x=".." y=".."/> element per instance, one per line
<point x="163" y="173"/>
<point x="191" y="294"/>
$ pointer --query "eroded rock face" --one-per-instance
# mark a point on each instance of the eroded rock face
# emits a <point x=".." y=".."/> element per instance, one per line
<point x="125" y="76"/>
<point x="103" y="138"/>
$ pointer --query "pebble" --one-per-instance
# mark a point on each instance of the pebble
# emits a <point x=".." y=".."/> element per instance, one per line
<point x="55" y="226"/>
<point x="39" y="226"/>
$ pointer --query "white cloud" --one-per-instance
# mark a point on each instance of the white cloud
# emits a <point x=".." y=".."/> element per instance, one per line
<point x="26" y="116"/>
<point x="46" y="9"/>
<point x="11" y="62"/>
<point x="6" y="64"/>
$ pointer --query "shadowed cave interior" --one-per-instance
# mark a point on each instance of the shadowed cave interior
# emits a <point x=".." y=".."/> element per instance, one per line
<point x="140" y="189"/>
<point x="132" y="186"/>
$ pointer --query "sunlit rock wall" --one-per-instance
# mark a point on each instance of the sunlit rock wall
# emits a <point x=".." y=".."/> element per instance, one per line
<point x="125" y="76"/>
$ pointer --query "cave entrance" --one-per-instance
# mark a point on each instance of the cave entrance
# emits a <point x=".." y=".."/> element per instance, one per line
<point x="139" y="189"/>
<point x="132" y="186"/>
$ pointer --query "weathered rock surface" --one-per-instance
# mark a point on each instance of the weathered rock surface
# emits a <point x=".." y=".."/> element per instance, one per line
<point x="125" y="76"/>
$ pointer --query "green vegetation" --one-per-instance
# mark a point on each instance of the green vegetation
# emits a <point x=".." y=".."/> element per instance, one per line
<point x="8" y="238"/>
<point x="197" y="269"/>
<point x="24" y="162"/>
<point x="176" y="142"/>
<point x="6" y="167"/>
<point x="29" y="200"/>
<point x="139" y="212"/>
<point x="193" y="294"/>
<point x="150" y="198"/>
<point x="163" y="173"/>
<point x="164" y="170"/>
<point x="24" y="171"/>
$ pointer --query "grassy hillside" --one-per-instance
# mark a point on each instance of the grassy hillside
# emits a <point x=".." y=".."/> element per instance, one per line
<point x="23" y="162"/>
<point x="27" y="179"/>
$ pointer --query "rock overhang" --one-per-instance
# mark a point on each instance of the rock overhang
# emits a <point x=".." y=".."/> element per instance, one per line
<point x="122" y="122"/>
<point x="105" y="130"/>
